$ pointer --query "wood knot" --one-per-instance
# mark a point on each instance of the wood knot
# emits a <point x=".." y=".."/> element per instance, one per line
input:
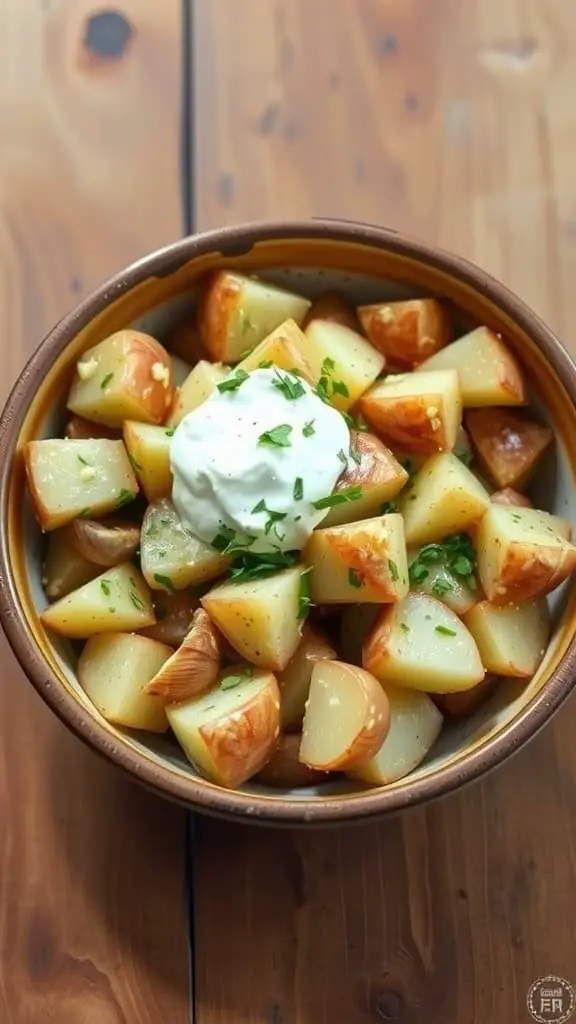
<point x="388" y="1005"/>
<point x="107" y="35"/>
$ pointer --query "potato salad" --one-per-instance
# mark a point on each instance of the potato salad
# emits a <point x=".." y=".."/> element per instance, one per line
<point x="298" y="535"/>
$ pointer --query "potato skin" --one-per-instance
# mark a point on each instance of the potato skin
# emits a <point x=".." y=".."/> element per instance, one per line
<point x="508" y="496"/>
<point x="464" y="704"/>
<point x="284" y="770"/>
<point x="407" y="333"/>
<point x="80" y="429"/>
<point x="218" y="308"/>
<point x="509" y="444"/>
<point x="332" y="306"/>
<point x="253" y="735"/>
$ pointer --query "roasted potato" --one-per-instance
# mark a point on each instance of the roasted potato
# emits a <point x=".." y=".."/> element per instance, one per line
<point x="125" y="377"/>
<point x="260" y="617"/>
<point x="116" y="601"/>
<point x="285" y="770"/>
<point x="415" y="724"/>
<point x="148" y="448"/>
<point x="114" y="668"/>
<point x="172" y="557"/>
<point x="294" y="680"/>
<point x="198" y="386"/>
<point x="333" y="307"/>
<point x="180" y="370"/>
<point x="443" y="498"/>
<point x="65" y="569"/>
<point x="194" y="667"/>
<point x="508" y="496"/>
<point x="421" y="644"/>
<point x="522" y="554"/>
<point x="285" y="348"/>
<point x="372" y="467"/>
<point x="104" y="542"/>
<point x="347" y="717"/>
<point x="77" y="478"/>
<point x="455" y="591"/>
<point x="238" y="312"/>
<point x="406" y="333"/>
<point x="487" y="371"/>
<point x="511" y="639"/>
<point x="231" y="731"/>
<point x="79" y="429"/>
<point x="509" y="444"/>
<point x="173" y="616"/>
<point x="360" y="562"/>
<point x="344" y="363"/>
<point x="415" y="413"/>
<point x="465" y="703"/>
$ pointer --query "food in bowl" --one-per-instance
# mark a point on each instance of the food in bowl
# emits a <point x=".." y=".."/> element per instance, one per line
<point x="320" y="532"/>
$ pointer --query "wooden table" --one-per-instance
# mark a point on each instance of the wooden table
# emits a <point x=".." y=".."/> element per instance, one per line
<point x="121" y="127"/>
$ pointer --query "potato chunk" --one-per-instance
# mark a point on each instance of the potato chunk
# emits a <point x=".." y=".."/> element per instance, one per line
<point x="372" y="467"/>
<point x="172" y="557"/>
<point x="407" y="333"/>
<point x="285" y="348"/>
<point x="444" y="497"/>
<point x="79" y="429"/>
<point x="421" y="644"/>
<point x="65" y="568"/>
<point x="105" y="542"/>
<point x="343" y="360"/>
<point x="230" y="732"/>
<point x="198" y="386"/>
<point x="194" y="667"/>
<point x="148" y="448"/>
<point x="116" y="601"/>
<point x="294" y="680"/>
<point x="415" y="413"/>
<point x="508" y="444"/>
<point x="437" y="579"/>
<point x="77" y="478"/>
<point x="125" y="377"/>
<point x="173" y="616"/>
<point x="237" y="313"/>
<point x="285" y="770"/>
<point x="360" y="562"/>
<point x="415" y="723"/>
<point x="508" y="496"/>
<point x="114" y="669"/>
<point x="511" y="639"/>
<point x="488" y="372"/>
<point x="334" y="307"/>
<point x="521" y="554"/>
<point x="465" y="703"/>
<point x="347" y="717"/>
<point x="260" y="617"/>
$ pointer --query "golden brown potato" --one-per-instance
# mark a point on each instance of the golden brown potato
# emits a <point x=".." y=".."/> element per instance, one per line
<point x="113" y="669"/>
<point x="172" y="557"/>
<point x="260" y="617"/>
<point x="421" y="644"/>
<point x="511" y="639"/>
<point x="407" y="333"/>
<point x="173" y="616"/>
<point x="415" y="413"/>
<point x="509" y="445"/>
<point x="285" y="348"/>
<point x="508" y="496"/>
<point x="194" y="667"/>
<point x="488" y="373"/>
<point x="372" y="467"/>
<point x="79" y="429"/>
<point x="415" y="723"/>
<point x="125" y="377"/>
<point x="360" y="562"/>
<point x="77" y="478"/>
<point x="294" y="680"/>
<point x="238" y="312"/>
<point x="116" y="601"/>
<point x="443" y="498"/>
<point x="231" y="731"/>
<point x="464" y="704"/>
<point x="344" y="363"/>
<point x="285" y="770"/>
<point x="197" y="387"/>
<point x="332" y="306"/>
<point x="65" y="569"/>
<point x="148" y="448"/>
<point x="347" y="717"/>
<point x="104" y="541"/>
<point x="521" y="554"/>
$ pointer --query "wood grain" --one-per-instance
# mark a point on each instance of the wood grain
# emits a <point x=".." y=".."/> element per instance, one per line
<point x="93" y="925"/>
<point x="451" y="121"/>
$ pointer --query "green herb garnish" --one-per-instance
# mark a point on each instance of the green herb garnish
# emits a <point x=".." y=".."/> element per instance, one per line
<point x="457" y="554"/>
<point x="390" y="506"/>
<point x="304" y="601"/>
<point x="170" y="431"/>
<point x="252" y="566"/>
<point x="164" y="581"/>
<point x="394" y="574"/>
<point x="229" y="682"/>
<point x="124" y="498"/>
<point x="309" y="428"/>
<point x="137" y="601"/>
<point x="444" y="631"/>
<point x="355" y="456"/>
<point x="343" y="457"/>
<point x="441" y="587"/>
<point x="298" y="492"/>
<point x="348" y="494"/>
<point x="291" y="389"/>
<point x="228" y="542"/>
<point x="232" y="383"/>
<point x="404" y="627"/>
<point x="265" y="364"/>
<point x="84" y="513"/>
<point x="278" y="437"/>
<point x="105" y="587"/>
<point x="354" y="578"/>
<point x="83" y="461"/>
<point x="466" y="457"/>
<point x="135" y="465"/>
<point x="106" y="381"/>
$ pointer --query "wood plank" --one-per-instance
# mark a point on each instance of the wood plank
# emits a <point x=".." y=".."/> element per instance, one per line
<point x="451" y="121"/>
<point x="93" y="918"/>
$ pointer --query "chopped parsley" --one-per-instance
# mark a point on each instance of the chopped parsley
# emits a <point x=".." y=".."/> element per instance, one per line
<point x="466" y="457"/>
<point x="83" y="461"/>
<point x="229" y="682"/>
<point x="134" y="463"/>
<point x="444" y="631"/>
<point x="265" y="364"/>
<point x="232" y="383"/>
<point x="273" y="517"/>
<point x="355" y="456"/>
<point x="228" y="542"/>
<point x="309" y="428"/>
<point x="278" y="437"/>
<point x="354" y="578"/>
<point x="124" y="498"/>
<point x="343" y="457"/>
<point x="298" y="492"/>
<point x="348" y="494"/>
<point x="291" y="388"/>
<point x="394" y="574"/>
<point x="455" y="552"/>
<point x="441" y="587"/>
<point x="390" y="506"/>
<point x="105" y="587"/>
<point x="170" y="431"/>
<point x="408" y="465"/>
<point x="327" y="387"/>
<point x="404" y="627"/>
<point x="106" y="381"/>
<point x="164" y="581"/>
<point x="304" y="601"/>
<point x="137" y="601"/>
<point x="252" y="566"/>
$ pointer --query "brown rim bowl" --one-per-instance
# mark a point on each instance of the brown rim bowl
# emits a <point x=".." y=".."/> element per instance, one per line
<point x="369" y="264"/>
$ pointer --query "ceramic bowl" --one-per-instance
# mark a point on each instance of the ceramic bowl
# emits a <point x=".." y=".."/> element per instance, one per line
<point x="367" y="264"/>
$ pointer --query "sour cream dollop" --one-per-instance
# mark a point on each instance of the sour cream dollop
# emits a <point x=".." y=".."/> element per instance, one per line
<point x="254" y="460"/>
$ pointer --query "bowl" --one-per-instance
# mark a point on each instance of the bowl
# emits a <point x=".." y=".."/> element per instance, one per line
<point x="157" y="293"/>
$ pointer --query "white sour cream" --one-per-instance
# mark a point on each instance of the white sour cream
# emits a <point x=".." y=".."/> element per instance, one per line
<point x="223" y="468"/>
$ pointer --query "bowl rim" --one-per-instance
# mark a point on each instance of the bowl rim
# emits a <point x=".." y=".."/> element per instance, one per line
<point x="190" y="791"/>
